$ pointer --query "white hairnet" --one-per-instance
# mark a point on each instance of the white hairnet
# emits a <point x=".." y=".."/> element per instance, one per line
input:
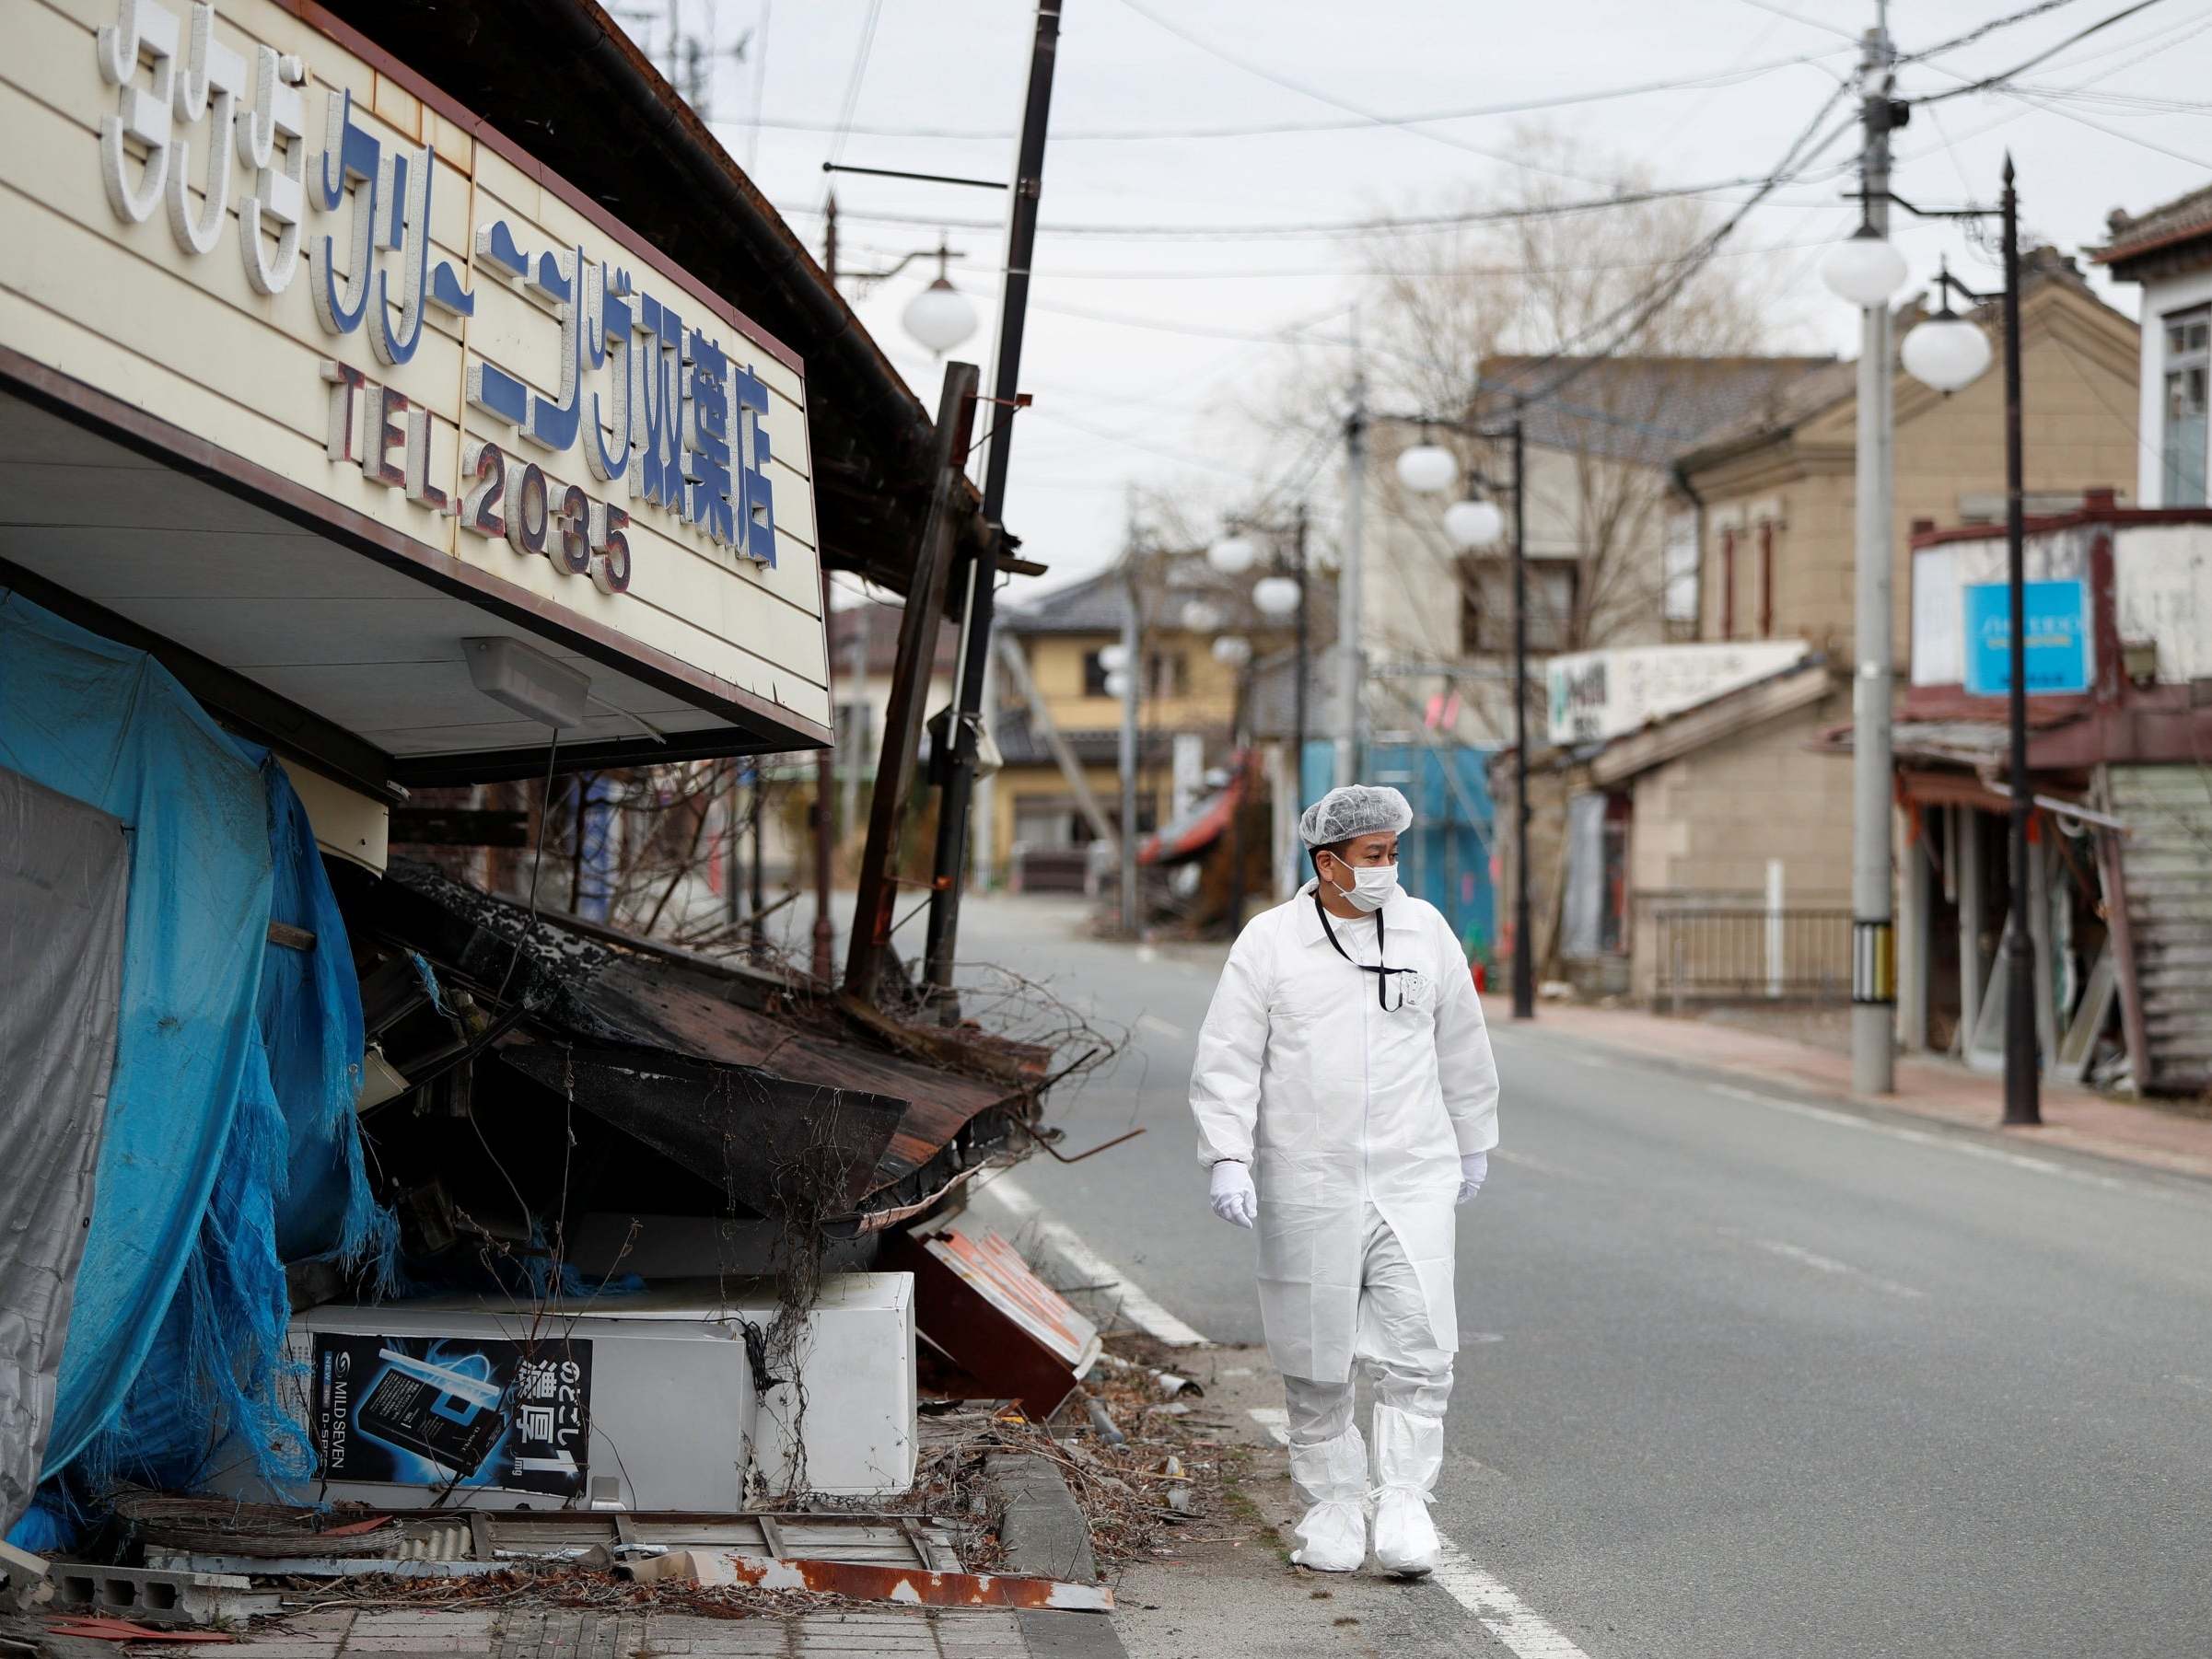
<point x="1356" y="809"/>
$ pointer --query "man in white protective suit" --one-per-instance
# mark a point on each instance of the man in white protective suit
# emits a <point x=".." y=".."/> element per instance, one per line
<point x="1346" y="1102"/>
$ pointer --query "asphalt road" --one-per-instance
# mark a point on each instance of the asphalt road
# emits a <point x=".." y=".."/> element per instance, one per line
<point x="1744" y="1374"/>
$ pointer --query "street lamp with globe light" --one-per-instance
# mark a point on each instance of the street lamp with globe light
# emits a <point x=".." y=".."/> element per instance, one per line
<point x="1473" y="524"/>
<point x="1946" y="352"/>
<point x="1276" y="597"/>
<point x="1864" y="269"/>
<point x="1201" y="616"/>
<point x="1233" y="555"/>
<point x="1426" y="468"/>
<point x="939" y="317"/>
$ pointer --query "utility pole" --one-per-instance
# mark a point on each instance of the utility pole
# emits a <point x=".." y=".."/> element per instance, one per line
<point x="1524" y="936"/>
<point x="825" y="761"/>
<point x="982" y="566"/>
<point x="1132" y="646"/>
<point x="1351" y="661"/>
<point x="2023" y="1064"/>
<point x="1873" y="939"/>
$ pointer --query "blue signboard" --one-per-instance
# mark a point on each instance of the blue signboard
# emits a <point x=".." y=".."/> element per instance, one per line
<point x="2057" y="654"/>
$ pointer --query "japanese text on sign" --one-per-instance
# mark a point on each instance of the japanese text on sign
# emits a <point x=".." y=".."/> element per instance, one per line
<point x="665" y="417"/>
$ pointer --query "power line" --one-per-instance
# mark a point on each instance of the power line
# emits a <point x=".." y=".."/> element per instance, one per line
<point x="1980" y="29"/>
<point x="1181" y="457"/>
<point x="1261" y="72"/>
<point x="1987" y="82"/>
<point x="2034" y="101"/>
<point x="1722" y="77"/>
<point x="1649" y="305"/>
<point x="852" y="87"/>
<point x="1327" y="228"/>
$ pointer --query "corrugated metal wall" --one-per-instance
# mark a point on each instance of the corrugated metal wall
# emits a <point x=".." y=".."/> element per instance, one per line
<point x="2166" y="862"/>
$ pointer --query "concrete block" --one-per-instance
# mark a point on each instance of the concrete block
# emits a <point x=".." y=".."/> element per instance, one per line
<point x="154" y="1597"/>
<point x="1044" y="1531"/>
<point x="22" y="1577"/>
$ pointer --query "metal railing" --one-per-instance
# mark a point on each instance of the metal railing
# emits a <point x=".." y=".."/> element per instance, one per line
<point x="1740" y="950"/>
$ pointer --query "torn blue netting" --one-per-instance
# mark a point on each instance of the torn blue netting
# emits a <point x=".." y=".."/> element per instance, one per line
<point x="230" y="1142"/>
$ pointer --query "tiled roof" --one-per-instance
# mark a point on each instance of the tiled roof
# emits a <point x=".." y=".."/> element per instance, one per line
<point x="2184" y="219"/>
<point x="1642" y="410"/>
<point x="1100" y="604"/>
<point x="1831" y="382"/>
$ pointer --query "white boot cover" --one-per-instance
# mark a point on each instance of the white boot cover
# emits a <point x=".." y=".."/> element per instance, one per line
<point x="1409" y="1453"/>
<point x="1332" y="1479"/>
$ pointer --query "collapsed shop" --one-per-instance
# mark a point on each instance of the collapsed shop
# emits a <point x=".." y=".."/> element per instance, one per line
<point x="354" y="447"/>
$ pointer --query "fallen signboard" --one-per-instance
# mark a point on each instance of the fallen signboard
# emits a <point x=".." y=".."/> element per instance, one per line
<point x="977" y="1300"/>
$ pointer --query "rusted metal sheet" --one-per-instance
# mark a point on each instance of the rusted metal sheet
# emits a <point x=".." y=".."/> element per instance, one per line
<point x="747" y="1131"/>
<point x="493" y="1540"/>
<point x="649" y="1004"/>
<point x="592" y="986"/>
<point x="908" y="1585"/>
<point x="977" y="1300"/>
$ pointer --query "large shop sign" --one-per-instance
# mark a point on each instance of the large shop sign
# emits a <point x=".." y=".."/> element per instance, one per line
<point x="654" y="409"/>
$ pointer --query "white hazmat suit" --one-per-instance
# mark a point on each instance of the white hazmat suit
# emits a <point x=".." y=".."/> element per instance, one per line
<point x="1353" y="1096"/>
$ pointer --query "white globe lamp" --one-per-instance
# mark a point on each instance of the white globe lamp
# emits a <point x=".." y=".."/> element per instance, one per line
<point x="1428" y="469"/>
<point x="1472" y="524"/>
<point x="1233" y="555"/>
<point x="1114" y="658"/>
<point x="1200" y="617"/>
<point x="939" y="317"/>
<point x="1232" y="650"/>
<point x="1946" y="352"/>
<point x="1275" y="596"/>
<point x="1117" y="683"/>
<point x="1864" y="271"/>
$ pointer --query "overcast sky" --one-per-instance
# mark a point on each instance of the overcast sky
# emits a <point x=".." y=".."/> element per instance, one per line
<point x="1142" y="351"/>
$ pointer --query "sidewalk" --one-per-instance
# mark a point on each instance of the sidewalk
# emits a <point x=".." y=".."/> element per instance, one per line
<point x="562" y="1633"/>
<point x="1927" y="1087"/>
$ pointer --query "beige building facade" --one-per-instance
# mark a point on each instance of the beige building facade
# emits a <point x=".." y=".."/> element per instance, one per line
<point x="1667" y="846"/>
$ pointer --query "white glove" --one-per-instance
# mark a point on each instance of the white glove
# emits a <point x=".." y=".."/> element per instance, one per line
<point x="1474" y="1169"/>
<point x="1233" y="1198"/>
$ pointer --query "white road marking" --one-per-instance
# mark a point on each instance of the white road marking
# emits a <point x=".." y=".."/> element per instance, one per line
<point x="1828" y="1264"/>
<point x="1502" y="1613"/>
<point x="1958" y="1144"/>
<point x="1522" y="1160"/>
<point x="1525" y="1632"/>
<point x="1091" y="1268"/>
<point x="1160" y="1028"/>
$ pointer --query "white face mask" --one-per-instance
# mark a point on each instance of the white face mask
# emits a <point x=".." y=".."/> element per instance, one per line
<point x="1373" y="886"/>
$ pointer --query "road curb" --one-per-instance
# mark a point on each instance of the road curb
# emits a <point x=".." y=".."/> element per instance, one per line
<point x="1043" y="1528"/>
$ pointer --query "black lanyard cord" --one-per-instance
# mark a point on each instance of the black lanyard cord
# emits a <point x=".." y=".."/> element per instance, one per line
<point x="1383" y="974"/>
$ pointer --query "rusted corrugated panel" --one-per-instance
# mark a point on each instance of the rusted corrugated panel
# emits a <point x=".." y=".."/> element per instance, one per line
<point x="916" y="1588"/>
<point x="595" y="988"/>
<point x="2168" y="810"/>
<point x="749" y="1131"/>
<point x="653" y="1007"/>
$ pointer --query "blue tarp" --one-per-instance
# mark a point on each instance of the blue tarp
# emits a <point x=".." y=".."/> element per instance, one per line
<point x="230" y="1143"/>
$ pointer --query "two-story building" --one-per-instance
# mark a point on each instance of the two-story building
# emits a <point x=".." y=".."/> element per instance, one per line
<point x="2168" y="251"/>
<point x="1069" y="641"/>
<point x="1715" y="801"/>
<point x="2119" y="675"/>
